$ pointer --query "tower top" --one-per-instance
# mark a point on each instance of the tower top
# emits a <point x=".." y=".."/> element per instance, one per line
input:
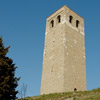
<point x="64" y="8"/>
<point x="65" y="16"/>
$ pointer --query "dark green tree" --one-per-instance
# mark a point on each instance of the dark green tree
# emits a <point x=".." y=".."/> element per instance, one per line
<point x="8" y="81"/>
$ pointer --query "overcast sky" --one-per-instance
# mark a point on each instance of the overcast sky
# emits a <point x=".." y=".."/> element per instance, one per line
<point x="22" y="26"/>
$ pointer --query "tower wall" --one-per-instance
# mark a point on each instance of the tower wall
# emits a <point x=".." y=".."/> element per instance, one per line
<point x="64" y="53"/>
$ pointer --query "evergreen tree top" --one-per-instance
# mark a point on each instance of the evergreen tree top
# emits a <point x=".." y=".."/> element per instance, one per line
<point x="3" y="50"/>
<point x="8" y="81"/>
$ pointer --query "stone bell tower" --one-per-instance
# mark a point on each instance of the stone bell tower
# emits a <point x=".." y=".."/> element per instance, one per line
<point x="64" y="67"/>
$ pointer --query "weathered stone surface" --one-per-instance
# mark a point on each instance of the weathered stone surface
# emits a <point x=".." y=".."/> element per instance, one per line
<point x="64" y="54"/>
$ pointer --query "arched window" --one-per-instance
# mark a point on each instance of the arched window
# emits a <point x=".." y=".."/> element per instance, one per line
<point x="77" y="23"/>
<point x="70" y="19"/>
<point x="52" y="23"/>
<point x="59" y="19"/>
<point x="75" y="89"/>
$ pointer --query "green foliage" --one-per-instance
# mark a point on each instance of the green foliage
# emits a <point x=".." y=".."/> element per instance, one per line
<point x="8" y="81"/>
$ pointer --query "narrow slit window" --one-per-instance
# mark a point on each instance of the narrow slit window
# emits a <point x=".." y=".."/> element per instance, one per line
<point x="59" y="19"/>
<point x="52" y="69"/>
<point x="70" y="19"/>
<point x="52" y="23"/>
<point x="77" y="23"/>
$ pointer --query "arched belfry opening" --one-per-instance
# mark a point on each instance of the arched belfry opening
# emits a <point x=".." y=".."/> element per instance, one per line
<point x="77" y="23"/>
<point x="70" y="18"/>
<point x="52" y="23"/>
<point x="59" y="18"/>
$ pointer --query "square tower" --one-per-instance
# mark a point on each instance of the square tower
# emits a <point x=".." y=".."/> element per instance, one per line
<point x="64" y="67"/>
